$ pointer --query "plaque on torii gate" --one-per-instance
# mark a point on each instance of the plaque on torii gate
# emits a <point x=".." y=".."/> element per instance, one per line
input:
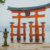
<point x="27" y="10"/>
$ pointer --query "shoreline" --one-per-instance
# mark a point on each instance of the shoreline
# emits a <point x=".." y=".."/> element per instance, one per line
<point x="20" y="46"/>
<point x="23" y="44"/>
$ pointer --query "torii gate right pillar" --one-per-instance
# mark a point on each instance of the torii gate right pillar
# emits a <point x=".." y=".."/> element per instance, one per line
<point x="36" y="27"/>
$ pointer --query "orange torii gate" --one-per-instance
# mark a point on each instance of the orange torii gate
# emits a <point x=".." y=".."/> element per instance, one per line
<point x="27" y="10"/>
<point x="37" y="31"/>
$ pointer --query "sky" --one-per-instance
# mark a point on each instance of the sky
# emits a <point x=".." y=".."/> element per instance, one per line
<point x="6" y="15"/>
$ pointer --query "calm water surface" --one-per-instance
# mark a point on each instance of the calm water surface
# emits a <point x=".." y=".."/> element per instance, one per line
<point x="47" y="38"/>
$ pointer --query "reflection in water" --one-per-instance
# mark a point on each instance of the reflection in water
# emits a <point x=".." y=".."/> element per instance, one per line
<point x="31" y="39"/>
<point x="43" y="40"/>
<point x="46" y="40"/>
<point x="18" y="40"/>
<point x="24" y="40"/>
<point x="12" y="41"/>
<point x="37" y="40"/>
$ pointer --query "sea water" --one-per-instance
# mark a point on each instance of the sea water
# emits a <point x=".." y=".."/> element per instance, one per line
<point x="47" y="38"/>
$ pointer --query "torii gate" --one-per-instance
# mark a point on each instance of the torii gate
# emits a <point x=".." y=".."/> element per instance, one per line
<point x="27" y="10"/>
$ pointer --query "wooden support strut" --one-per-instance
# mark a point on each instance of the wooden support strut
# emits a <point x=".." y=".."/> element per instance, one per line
<point x="43" y="34"/>
<point x="11" y="30"/>
<point x="30" y="29"/>
<point x="24" y="30"/>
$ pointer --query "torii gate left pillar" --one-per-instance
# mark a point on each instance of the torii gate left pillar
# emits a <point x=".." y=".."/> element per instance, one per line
<point x="18" y="27"/>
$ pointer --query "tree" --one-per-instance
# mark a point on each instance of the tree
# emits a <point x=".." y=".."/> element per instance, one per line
<point x="2" y="1"/>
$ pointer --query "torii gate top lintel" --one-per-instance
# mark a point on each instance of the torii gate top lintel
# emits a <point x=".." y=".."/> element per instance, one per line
<point x="35" y="9"/>
<point x="23" y="9"/>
